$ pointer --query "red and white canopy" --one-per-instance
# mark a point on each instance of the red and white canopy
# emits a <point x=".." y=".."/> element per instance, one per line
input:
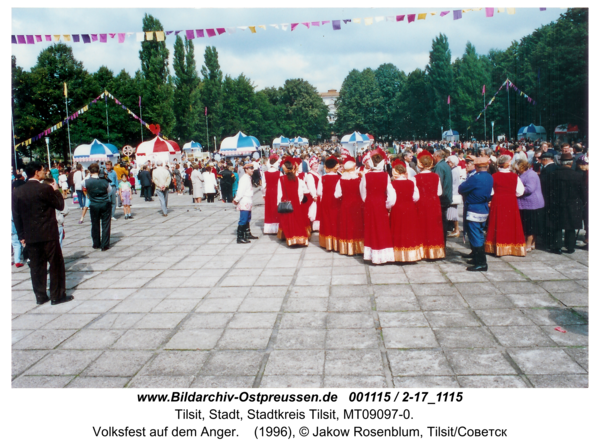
<point x="157" y="146"/>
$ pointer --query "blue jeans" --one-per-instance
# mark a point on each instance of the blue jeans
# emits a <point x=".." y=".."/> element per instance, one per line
<point x="113" y="199"/>
<point x="61" y="235"/>
<point x="16" y="244"/>
<point x="81" y="198"/>
<point x="475" y="233"/>
<point x="245" y="217"/>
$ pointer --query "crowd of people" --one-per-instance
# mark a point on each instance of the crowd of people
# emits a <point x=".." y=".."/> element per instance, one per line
<point x="388" y="205"/>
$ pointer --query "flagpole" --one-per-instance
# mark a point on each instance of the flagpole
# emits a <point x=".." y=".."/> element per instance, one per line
<point x="508" y="102"/>
<point x="107" y="131"/>
<point x="484" y="116"/>
<point x="68" y="127"/>
<point x="12" y="122"/>
<point x="141" y="125"/>
<point x="207" y="140"/>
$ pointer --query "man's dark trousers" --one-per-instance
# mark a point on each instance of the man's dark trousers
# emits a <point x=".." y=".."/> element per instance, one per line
<point x="226" y="191"/>
<point x="146" y="191"/>
<point x="40" y="254"/>
<point x="100" y="215"/>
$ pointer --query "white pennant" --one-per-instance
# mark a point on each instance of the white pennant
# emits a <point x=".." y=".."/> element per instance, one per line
<point x="275" y="26"/>
<point x="243" y="28"/>
<point x="231" y="30"/>
<point x="379" y="19"/>
<point x="284" y="26"/>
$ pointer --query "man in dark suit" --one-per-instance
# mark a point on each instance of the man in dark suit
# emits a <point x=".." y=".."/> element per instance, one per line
<point x="146" y="183"/>
<point x="567" y="191"/>
<point x="548" y="167"/>
<point x="34" y="208"/>
<point x="99" y="193"/>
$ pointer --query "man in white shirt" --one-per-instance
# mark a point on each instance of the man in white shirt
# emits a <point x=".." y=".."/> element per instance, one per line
<point x="243" y="202"/>
<point x="162" y="179"/>
<point x="78" y="177"/>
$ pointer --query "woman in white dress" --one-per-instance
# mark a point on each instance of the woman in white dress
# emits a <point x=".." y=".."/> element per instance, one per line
<point x="210" y="183"/>
<point x="197" y="184"/>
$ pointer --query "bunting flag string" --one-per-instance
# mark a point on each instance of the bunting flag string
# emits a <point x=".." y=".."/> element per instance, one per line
<point x="104" y="95"/>
<point x="160" y="36"/>
<point x="508" y="83"/>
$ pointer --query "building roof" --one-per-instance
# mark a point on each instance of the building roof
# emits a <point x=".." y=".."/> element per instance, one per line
<point x="330" y="92"/>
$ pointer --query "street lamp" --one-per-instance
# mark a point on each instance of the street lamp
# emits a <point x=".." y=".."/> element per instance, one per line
<point x="492" y="132"/>
<point x="442" y="127"/>
<point x="48" y="150"/>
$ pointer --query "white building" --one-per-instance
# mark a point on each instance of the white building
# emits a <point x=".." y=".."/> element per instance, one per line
<point x="329" y="99"/>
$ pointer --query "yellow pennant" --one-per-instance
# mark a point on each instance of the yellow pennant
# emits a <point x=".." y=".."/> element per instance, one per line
<point x="67" y="37"/>
<point x="149" y="35"/>
<point x="510" y="10"/>
<point x="160" y="36"/>
<point x="57" y="37"/>
<point x="252" y="29"/>
<point x="264" y="27"/>
<point x="422" y="16"/>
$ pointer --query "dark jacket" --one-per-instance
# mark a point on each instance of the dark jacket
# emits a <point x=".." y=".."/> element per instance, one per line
<point x="567" y="196"/>
<point x="97" y="191"/>
<point x="227" y="180"/>
<point x="545" y="176"/>
<point x="34" y="208"/>
<point x="443" y="170"/>
<point x="145" y="178"/>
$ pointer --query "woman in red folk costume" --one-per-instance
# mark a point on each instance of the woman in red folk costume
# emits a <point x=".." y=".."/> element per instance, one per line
<point x="270" y="180"/>
<point x="292" y="226"/>
<point x="378" y="195"/>
<point x="429" y="210"/>
<point x="329" y="205"/>
<point x="505" y="231"/>
<point x="312" y="180"/>
<point x="351" y="239"/>
<point x="406" y="229"/>
<point x="304" y="205"/>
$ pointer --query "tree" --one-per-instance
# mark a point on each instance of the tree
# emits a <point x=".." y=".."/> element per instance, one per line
<point x="305" y="111"/>
<point x="359" y="104"/>
<point x="187" y="102"/>
<point x="212" y="85"/>
<point x="440" y="82"/>
<point x="413" y="108"/>
<point x="390" y="82"/>
<point x="157" y="97"/>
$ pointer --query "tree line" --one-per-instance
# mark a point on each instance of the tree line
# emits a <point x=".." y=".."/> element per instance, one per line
<point x="550" y="65"/>
<point x="392" y="105"/>
<point x="176" y="101"/>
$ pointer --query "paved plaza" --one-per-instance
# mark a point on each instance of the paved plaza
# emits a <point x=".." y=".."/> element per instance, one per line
<point x="177" y="303"/>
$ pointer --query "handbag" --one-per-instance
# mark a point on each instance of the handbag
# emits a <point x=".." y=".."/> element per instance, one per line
<point x="285" y="206"/>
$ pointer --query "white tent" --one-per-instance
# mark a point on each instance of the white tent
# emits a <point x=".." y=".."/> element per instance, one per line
<point x="532" y="132"/>
<point x="450" y="136"/>
<point x="355" y="142"/>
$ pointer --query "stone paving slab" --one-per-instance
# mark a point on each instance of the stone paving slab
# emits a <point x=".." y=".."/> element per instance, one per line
<point x="177" y="303"/>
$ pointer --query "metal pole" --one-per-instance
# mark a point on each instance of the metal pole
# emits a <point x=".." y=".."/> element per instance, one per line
<point x="141" y="125"/>
<point x="48" y="149"/>
<point x="215" y="142"/>
<point x="492" y="132"/>
<point x="484" y="117"/>
<point x="68" y="130"/>
<point x="508" y="102"/>
<point x="107" y="131"/>
<point x="207" y="140"/>
<point x="14" y="144"/>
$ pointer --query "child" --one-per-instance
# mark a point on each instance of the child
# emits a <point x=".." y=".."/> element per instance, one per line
<point x="60" y="215"/>
<point x="125" y="195"/>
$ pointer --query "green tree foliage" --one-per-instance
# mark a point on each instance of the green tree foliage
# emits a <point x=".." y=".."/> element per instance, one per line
<point x="390" y="82"/>
<point x="360" y="103"/>
<point x="157" y="97"/>
<point x="212" y="91"/>
<point x="413" y="108"/>
<point x="187" y="96"/>
<point x="304" y="110"/>
<point x="440" y="83"/>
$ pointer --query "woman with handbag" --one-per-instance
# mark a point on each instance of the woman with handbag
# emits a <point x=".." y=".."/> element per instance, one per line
<point x="290" y="193"/>
<point x="452" y="212"/>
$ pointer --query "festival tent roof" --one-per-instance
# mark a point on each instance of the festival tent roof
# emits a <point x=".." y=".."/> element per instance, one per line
<point x="370" y="137"/>
<point x="239" y="144"/>
<point x="566" y="129"/>
<point x="95" y="151"/>
<point x="299" y="141"/>
<point x="157" y="145"/>
<point x="193" y="146"/>
<point x="532" y="131"/>
<point x="356" y="137"/>
<point x="450" y="135"/>
<point x="281" y="141"/>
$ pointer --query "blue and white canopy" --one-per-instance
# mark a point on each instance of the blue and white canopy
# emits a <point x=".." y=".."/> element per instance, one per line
<point x="95" y="151"/>
<point x="239" y="144"/>
<point x="299" y="141"/>
<point x="281" y="141"/>
<point x="450" y="136"/>
<point x="192" y="146"/>
<point x="532" y="132"/>
<point x="355" y="141"/>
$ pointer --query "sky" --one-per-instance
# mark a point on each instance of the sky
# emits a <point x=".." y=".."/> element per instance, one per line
<point x="319" y="55"/>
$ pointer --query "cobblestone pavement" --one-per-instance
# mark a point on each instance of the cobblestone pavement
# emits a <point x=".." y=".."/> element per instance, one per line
<point x="177" y="303"/>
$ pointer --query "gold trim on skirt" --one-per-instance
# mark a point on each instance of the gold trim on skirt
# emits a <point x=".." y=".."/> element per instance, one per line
<point x="351" y="247"/>
<point x="406" y="254"/>
<point x="328" y="242"/>
<point x="434" y="252"/>
<point x="300" y="240"/>
<point x="517" y="250"/>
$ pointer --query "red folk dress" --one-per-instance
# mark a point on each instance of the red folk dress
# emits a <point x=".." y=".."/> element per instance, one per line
<point x="305" y="205"/>
<point x="429" y="213"/>
<point x="378" y="236"/>
<point x="330" y="208"/>
<point x="404" y="222"/>
<point x="271" y="216"/>
<point x="351" y="235"/>
<point x="312" y="183"/>
<point x="505" y="231"/>
<point x="292" y="226"/>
